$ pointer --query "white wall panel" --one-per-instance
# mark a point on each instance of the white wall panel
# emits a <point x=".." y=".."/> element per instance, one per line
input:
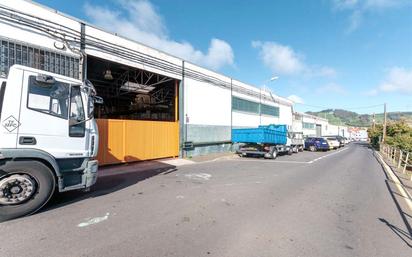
<point x="206" y="104"/>
<point x="267" y="120"/>
<point x="241" y="119"/>
<point x="285" y="115"/>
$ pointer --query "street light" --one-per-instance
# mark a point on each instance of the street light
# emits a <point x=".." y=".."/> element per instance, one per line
<point x="260" y="95"/>
<point x="269" y="80"/>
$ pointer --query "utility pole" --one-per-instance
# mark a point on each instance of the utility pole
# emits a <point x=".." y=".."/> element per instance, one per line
<point x="384" y="123"/>
<point x="373" y="121"/>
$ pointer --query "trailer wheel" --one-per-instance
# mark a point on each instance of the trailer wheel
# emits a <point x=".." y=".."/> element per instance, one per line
<point x="295" y="149"/>
<point x="25" y="187"/>
<point x="274" y="153"/>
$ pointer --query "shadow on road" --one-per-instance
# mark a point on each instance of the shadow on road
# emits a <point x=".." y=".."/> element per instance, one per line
<point x="399" y="232"/>
<point x="117" y="178"/>
<point x="363" y="144"/>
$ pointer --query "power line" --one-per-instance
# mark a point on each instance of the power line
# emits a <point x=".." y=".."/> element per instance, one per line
<point x="346" y="108"/>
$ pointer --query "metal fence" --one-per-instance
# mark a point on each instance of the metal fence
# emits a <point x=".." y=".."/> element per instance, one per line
<point x="402" y="159"/>
<point x="15" y="52"/>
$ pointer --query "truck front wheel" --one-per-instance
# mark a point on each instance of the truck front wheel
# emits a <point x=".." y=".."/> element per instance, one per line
<point x="25" y="187"/>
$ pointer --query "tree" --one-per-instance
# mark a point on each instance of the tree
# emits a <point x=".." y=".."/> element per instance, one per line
<point x="399" y="134"/>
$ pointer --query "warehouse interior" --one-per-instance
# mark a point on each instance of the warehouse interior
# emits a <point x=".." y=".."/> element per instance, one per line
<point x="139" y="117"/>
<point x="130" y="93"/>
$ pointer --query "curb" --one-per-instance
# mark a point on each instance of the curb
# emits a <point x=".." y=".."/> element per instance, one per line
<point x="405" y="194"/>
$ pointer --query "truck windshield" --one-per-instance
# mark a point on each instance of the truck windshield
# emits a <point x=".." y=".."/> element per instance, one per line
<point x="51" y="99"/>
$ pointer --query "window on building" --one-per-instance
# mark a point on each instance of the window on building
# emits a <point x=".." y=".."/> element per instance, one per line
<point x="12" y="52"/>
<point x="270" y="110"/>
<point x="243" y="105"/>
<point x="307" y="125"/>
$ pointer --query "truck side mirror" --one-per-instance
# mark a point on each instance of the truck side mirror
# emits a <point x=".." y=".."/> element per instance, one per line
<point x="98" y="100"/>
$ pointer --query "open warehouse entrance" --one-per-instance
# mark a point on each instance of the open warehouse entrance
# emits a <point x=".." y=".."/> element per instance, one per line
<point x="139" y="117"/>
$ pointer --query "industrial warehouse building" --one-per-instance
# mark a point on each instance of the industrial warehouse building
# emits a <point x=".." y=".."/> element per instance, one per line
<point x="155" y="105"/>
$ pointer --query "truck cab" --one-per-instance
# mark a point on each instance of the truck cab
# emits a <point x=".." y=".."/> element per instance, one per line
<point x="48" y="138"/>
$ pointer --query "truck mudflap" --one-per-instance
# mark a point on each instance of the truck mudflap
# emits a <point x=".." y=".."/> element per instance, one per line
<point x="90" y="173"/>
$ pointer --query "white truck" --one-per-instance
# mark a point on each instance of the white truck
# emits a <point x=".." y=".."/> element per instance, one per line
<point x="48" y="138"/>
<point x="297" y="141"/>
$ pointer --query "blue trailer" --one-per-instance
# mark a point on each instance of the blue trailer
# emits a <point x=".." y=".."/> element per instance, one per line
<point x="263" y="141"/>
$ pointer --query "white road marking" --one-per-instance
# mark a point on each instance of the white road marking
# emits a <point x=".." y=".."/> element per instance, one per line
<point x="93" y="221"/>
<point x="180" y="197"/>
<point x="198" y="176"/>
<point x="320" y="158"/>
<point x="269" y="161"/>
<point x="398" y="184"/>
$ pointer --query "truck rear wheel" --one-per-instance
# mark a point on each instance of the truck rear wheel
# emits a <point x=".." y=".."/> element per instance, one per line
<point x="25" y="187"/>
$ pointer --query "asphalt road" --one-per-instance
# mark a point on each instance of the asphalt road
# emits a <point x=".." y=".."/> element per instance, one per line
<point x="338" y="203"/>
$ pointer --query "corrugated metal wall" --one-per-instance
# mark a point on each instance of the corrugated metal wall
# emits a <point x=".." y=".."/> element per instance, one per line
<point x="15" y="52"/>
<point x="136" y="140"/>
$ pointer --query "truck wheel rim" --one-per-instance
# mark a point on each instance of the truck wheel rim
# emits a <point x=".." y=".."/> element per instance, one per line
<point x="16" y="189"/>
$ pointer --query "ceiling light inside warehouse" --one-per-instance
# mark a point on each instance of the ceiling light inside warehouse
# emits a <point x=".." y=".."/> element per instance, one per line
<point x="135" y="87"/>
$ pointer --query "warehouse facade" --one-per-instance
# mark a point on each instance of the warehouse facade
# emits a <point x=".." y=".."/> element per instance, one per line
<point x="156" y="105"/>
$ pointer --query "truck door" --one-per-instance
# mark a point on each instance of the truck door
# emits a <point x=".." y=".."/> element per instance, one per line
<point x="46" y="111"/>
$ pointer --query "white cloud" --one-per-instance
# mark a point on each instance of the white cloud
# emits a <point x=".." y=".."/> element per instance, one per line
<point x="372" y="92"/>
<point x="139" y="20"/>
<point x="344" y="4"/>
<point x="279" y="58"/>
<point x="323" y="72"/>
<point x="296" y="99"/>
<point x="355" y="20"/>
<point x="283" y="60"/>
<point x="358" y="8"/>
<point x="331" y="88"/>
<point x="397" y="80"/>
<point x="368" y="4"/>
<point x="380" y="4"/>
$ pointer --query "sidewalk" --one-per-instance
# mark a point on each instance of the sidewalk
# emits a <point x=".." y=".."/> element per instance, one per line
<point x="161" y="165"/>
<point x="213" y="157"/>
<point x="404" y="178"/>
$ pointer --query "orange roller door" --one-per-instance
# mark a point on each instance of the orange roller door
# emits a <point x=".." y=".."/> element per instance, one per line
<point x="134" y="140"/>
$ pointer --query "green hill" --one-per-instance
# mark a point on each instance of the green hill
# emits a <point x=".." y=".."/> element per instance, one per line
<point x="343" y="117"/>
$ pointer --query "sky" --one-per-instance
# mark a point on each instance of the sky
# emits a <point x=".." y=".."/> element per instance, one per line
<point x="350" y="54"/>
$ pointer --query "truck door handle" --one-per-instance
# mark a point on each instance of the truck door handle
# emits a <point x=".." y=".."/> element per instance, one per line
<point x="27" y="141"/>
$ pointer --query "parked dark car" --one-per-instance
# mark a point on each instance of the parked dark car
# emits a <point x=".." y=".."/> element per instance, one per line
<point x="314" y="144"/>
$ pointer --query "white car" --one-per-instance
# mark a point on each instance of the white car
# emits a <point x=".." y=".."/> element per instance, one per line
<point x="333" y="142"/>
